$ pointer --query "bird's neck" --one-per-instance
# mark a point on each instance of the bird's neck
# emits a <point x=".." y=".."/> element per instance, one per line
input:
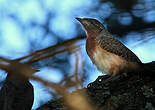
<point x="93" y="32"/>
<point x="94" y="38"/>
<point x="91" y="43"/>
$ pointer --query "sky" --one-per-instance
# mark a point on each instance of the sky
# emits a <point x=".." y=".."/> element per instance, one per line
<point x="17" y="32"/>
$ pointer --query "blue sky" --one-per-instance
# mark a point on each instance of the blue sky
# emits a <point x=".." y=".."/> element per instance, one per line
<point x="17" y="33"/>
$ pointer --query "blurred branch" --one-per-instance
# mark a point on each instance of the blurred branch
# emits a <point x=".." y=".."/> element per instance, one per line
<point x="142" y="41"/>
<point x="72" y="101"/>
<point x="76" y="74"/>
<point x="13" y="66"/>
<point x="137" y="25"/>
<point x="76" y="69"/>
<point x="16" y="92"/>
<point x="18" y="69"/>
<point x="51" y="51"/>
<point x="122" y="4"/>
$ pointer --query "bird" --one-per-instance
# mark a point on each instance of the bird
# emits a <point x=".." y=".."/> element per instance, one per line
<point x="108" y="53"/>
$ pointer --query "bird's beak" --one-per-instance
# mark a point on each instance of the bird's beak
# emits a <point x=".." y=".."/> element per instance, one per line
<point x="79" y="19"/>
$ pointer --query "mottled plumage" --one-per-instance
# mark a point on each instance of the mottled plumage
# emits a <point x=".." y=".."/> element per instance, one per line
<point x="111" y="44"/>
<point x="105" y="51"/>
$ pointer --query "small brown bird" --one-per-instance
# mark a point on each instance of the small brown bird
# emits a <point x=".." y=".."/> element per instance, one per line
<point x="108" y="53"/>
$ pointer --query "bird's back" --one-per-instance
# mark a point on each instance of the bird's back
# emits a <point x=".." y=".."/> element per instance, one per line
<point x="111" y="44"/>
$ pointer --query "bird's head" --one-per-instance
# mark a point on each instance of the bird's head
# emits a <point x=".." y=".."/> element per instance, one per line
<point x="91" y="25"/>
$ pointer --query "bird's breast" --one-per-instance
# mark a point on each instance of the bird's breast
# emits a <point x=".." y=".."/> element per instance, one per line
<point x="108" y="62"/>
<point x="90" y="46"/>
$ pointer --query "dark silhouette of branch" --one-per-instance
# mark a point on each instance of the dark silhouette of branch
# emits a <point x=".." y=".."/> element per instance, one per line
<point x="17" y="92"/>
<point x="137" y="25"/>
<point x="51" y="51"/>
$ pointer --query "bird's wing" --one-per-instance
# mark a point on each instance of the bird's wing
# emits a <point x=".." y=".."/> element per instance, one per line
<point x="111" y="44"/>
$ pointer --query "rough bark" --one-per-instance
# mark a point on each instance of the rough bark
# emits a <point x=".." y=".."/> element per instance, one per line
<point x="131" y="92"/>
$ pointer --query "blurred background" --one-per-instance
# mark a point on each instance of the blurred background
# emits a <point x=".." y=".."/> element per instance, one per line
<point x="30" y="25"/>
